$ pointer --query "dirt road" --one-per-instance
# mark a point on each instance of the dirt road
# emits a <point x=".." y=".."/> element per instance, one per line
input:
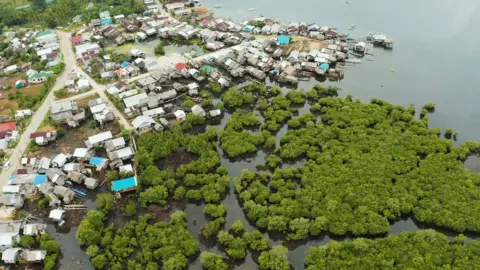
<point x="39" y="115"/>
<point x="70" y="64"/>
<point x="67" y="49"/>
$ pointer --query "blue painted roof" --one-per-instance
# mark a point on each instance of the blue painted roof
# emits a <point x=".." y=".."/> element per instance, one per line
<point x="248" y="28"/>
<point x="125" y="64"/>
<point x="106" y="21"/>
<point x="46" y="32"/>
<point x="40" y="179"/>
<point x="122" y="184"/>
<point x="324" y="66"/>
<point x="283" y="40"/>
<point x="96" y="161"/>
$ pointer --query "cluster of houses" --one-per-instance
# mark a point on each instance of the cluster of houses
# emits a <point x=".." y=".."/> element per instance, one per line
<point x="59" y="178"/>
<point x="67" y="112"/>
<point x="262" y="57"/>
<point x="151" y="102"/>
<point x="10" y="232"/>
<point x="75" y="84"/>
<point x="47" y="48"/>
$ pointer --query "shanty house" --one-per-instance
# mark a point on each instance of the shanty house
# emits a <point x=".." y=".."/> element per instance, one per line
<point x="76" y="177"/>
<point x="63" y="192"/>
<point x="115" y="144"/>
<point x="57" y="214"/>
<point x="61" y="111"/>
<point x="11" y="189"/>
<point x="56" y="176"/>
<point x="35" y="255"/>
<point x="20" y="114"/>
<point x="44" y="165"/>
<point x="125" y="184"/>
<point x="8" y="239"/>
<point x="59" y="160"/>
<point x="34" y="229"/>
<point x="14" y="200"/>
<point x="143" y="123"/>
<point x="98" y="162"/>
<point x="136" y="101"/>
<point x="98" y="139"/>
<point x="197" y="110"/>
<point x="125" y="168"/>
<point x="43" y="137"/>
<point x="82" y="153"/>
<point x="123" y="154"/>
<point x="11" y="255"/>
<point x="154" y="113"/>
<point x="91" y="183"/>
<point x="180" y="115"/>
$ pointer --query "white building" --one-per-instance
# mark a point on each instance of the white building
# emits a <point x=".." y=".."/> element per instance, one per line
<point x="142" y="123"/>
<point x="180" y="115"/>
<point x="20" y="114"/>
<point x="11" y="255"/>
<point x="135" y="101"/>
<point x="98" y="139"/>
<point x="8" y="239"/>
<point x="197" y="110"/>
<point x="83" y="85"/>
<point x="157" y="112"/>
<point x="115" y="144"/>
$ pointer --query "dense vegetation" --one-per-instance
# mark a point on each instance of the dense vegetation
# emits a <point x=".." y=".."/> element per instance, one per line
<point x="198" y="180"/>
<point x="236" y="242"/>
<point x="418" y="250"/>
<point x="236" y="140"/>
<point x="61" y="12"/>
<point x="141" y="244"/>
<point x="366" y="164"/>
<point x="363" y="166"/>
<point x="45" y="242"/>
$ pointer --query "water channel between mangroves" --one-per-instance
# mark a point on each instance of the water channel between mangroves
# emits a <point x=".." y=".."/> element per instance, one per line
<point x="433" y="62"/>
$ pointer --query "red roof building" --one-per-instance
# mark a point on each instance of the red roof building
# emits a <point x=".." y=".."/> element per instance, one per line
<point x="22" y="171"/>
<point x="38" y="134"/>
<point x="76" y="39"/>
<point x="181" y="66"/>
<point x="8" y="126"/>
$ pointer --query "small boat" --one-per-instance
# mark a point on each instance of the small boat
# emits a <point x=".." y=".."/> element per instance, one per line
<point x="251" y="9"/>
<point x="352" y="27"/>
<point x="196" y="1"/>
<point x="217" y="6"/>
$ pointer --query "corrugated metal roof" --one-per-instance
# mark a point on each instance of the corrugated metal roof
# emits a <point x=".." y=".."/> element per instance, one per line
<point x="124" y="184"/>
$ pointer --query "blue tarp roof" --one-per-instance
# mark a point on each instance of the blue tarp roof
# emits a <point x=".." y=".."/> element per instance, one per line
<point x="125" y="64"/>
<point x="96" y="161"/>
<point x="324" y="66"/>
<point x="122" y="184"/>
<point x="40" y="179"/>
<point x="106" y="21"/>
<point x="283" y="40"/>
<point x="248" y="28"/>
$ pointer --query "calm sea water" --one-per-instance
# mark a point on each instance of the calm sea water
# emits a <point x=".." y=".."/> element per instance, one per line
<point x="434" y="60"/>
<point x="435" y="54"/>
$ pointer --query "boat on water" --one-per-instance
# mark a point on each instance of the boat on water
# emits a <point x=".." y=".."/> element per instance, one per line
<point x="217" y="6"/>
<point x="251" y="9"/>
<point x="196" y="1"/>
<point x="352" y="27"/>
